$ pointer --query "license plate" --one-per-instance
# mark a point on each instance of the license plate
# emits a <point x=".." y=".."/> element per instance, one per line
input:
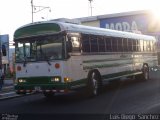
<point x="37" y="88"/>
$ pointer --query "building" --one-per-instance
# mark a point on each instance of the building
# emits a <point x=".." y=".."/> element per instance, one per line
<point x="4" y="40"/>
<point x="142" y="22"/>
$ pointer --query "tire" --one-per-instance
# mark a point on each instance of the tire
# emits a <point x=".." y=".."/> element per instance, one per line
<point x="48" y="95"/>
<point x="145" y="73"/>
<point x="94" y="85"/>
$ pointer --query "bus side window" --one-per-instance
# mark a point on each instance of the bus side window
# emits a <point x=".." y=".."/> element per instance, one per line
<point x="94" y="43"/>
<point x="145" y="45"/>
<point x="151" y="45"/>
<point x="134" y="45"/>
<point x="69" y="46"/>
<point x="120" y="46"/>
<point x="154" y="46"/>
<point x="101" y="43"/>
<point x="75" y="44"/>
<point x="85" y="43"/>
<point x="115" y="44"/>
<point x="108" y="42"/>
<point x="130" y="43"/>
<point x="148" y="46"/>
<point x="125" y="44"/>
<point x="141" y="46"/>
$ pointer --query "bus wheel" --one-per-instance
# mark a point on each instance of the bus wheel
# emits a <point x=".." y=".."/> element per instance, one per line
<point x="94" y="83"/>
<point x="145" y="73"/>
<point x="48" y="95"/>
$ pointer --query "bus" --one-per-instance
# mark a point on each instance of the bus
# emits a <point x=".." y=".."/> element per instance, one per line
<point x="57" y="57"/>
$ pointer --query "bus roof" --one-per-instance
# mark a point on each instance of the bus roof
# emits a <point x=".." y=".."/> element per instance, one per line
<point x="49" y="27"/>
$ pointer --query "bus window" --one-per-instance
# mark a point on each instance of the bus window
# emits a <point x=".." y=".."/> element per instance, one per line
<point x="108" y="42"/>
<point x="145" y="45"/>
<point x="75" y="44"/>
<point x="114" y="44"/>
<point x="69" y="46"/>
<point x="154" y="46"/>
<point x="151" y="45"/>
<point x="101" y="43"/>
<point x="134" y="45"/>
<point x="19" y="52"/>
<point x="141" y="46"/>
<point x="125" y="45"/>
<point x="49" y="48"/>
<point x="120" y="47"/>
<point x="94" y="44"/>
<point x="130" y="45"/>
<point x="85" y="43"/>
<point x="27" y="49"/>
<point x="148" y="46"/>
<point x="138" y="46"/>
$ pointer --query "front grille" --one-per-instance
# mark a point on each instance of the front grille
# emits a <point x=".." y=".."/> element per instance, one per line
<point x="38" y="80"/>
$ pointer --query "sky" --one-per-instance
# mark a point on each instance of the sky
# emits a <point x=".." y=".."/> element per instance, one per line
<point x="15" y="13"/>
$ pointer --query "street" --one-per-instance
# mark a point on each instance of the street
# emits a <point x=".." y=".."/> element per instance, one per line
<point x="127" y="96"/>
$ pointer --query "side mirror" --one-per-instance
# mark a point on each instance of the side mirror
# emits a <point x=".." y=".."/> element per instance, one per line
<point x="69" y="46"/>
<point x="4" y="52"/>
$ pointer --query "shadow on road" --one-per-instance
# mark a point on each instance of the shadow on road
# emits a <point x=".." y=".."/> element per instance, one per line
<point x="81" y="96"/>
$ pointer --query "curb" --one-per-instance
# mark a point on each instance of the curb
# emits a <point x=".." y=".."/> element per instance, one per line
<point x="11" y="94"/>
<point x="8" y="92"/>
<point x="8" y="95"/>
<point x="7" y="88"/>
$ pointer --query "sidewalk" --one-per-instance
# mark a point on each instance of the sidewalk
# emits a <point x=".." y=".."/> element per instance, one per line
<point x="8" y="90"/>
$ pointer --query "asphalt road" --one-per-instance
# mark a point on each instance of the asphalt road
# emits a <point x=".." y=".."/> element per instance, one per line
<point x="127" y="96"/>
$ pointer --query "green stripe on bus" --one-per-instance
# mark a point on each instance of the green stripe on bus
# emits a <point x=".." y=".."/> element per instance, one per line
<point x="30" y="84"/>
<point x="78" y="82"/>
<point x="34" y="80"/>
<point x="120" y="74"/>
<point x="106" y="65"/>
<point x="104" y="60"/>
<point x="37" y="29"/>
<point x="60" y="85"/>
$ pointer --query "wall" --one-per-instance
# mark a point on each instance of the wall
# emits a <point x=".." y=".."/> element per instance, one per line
<point x="126" y="23"/>
<point x="92" y="23"/>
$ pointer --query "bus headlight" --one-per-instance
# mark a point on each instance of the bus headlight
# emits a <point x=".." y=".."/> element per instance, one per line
<point x="55" y="79"/>
<point x="67" y="79"/>
<point x="21" y="81"/>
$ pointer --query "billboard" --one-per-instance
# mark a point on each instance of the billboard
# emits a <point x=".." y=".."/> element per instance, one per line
<point x="126" y="23"/>
<point x="144" y="23"/>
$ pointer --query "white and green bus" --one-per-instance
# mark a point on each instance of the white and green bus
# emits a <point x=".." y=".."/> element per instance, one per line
<point x="55" y="57"/>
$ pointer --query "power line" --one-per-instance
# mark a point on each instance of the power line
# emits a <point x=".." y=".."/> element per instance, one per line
<point x="36" y="9"/>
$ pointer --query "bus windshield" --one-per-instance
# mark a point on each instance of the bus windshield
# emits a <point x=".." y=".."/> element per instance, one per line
<point x="42" y="48"/>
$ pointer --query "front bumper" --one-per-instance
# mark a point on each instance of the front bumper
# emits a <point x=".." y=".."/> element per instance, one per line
<point x="42" y="88"/>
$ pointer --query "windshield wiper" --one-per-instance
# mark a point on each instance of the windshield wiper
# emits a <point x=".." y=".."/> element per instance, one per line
<point x="46" y="58"/>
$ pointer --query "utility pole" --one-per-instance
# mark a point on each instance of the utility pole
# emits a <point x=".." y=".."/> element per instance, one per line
<point x="90" y="1"/>
<point x="40" y="8"/>
<point x="32" y="9"/>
